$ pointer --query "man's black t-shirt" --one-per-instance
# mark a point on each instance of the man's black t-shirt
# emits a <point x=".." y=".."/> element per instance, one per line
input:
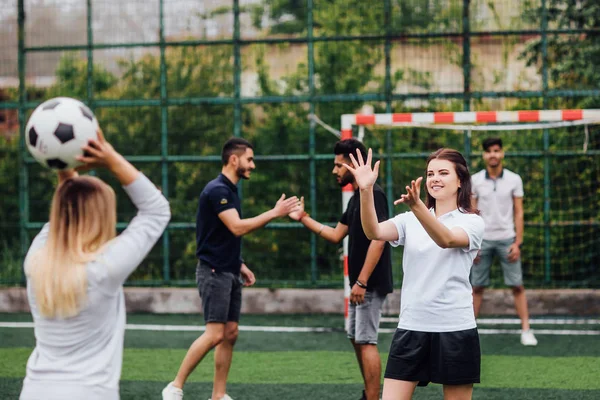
<point x="216" y="245"/>
<point x="358" y="244"/>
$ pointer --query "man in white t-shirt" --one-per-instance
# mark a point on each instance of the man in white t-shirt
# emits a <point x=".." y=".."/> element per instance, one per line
<point x="498" y="194"/>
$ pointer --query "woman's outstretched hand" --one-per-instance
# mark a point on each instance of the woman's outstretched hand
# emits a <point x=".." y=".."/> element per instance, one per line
<point x="411" y="198"/>
<point x="364" y="176"/>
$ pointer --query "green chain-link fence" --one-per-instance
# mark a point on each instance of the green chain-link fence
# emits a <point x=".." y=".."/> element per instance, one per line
<point x="170" y="80"/>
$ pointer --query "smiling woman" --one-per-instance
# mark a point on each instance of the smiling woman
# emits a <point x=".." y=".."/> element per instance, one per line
<point x="447" y="169"/>
<point x="441" y="239"/>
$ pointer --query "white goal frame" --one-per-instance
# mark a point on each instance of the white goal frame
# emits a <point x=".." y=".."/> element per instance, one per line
<point x="464" y="120"/>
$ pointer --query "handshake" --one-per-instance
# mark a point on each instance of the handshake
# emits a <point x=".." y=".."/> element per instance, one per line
<point x="292" y="207"/>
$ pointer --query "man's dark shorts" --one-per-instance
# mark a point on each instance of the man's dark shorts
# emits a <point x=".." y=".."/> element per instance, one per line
<point x="221" y="294"/>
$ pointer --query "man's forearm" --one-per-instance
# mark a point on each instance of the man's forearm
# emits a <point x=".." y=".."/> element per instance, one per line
<point x="374" y="253"/>
<point x="519" y="228"/>
<point x="248" y="225"/>
<point x="326" y="232"/>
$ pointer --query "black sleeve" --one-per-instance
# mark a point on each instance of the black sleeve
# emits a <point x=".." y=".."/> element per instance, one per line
<point x="221" y="199"/>
<point x="344" y="218"/>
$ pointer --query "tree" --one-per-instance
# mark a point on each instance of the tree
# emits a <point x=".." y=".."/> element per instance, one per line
<point x="572" y="58"/>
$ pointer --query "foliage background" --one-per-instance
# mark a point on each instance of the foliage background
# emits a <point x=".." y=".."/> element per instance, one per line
<point x="345" y="65"/>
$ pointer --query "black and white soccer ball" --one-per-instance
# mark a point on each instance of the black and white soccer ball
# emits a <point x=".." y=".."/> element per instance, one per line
<point x="57" y="130"/>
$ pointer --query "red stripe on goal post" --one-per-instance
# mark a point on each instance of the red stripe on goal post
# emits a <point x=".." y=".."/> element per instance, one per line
<point x="402" y="117"/>
<point x="346" y="133"/>
<point x="443" y="117"/>
<point x="486" y="116"/>
<point x="572" y="115"/>
<point x="529" y="116"/>
<point x="346" y="299"/>
<point x="365" y="119"/>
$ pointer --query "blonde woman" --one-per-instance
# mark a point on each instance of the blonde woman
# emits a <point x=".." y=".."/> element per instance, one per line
<point x="75" y="269"/>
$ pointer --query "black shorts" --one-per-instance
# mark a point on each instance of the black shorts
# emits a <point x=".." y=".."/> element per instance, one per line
<point x="221" y="294"/>
<point x="449" y="358"/>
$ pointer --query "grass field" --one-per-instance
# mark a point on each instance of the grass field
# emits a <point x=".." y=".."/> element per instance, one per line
<point x="321" y="365"/>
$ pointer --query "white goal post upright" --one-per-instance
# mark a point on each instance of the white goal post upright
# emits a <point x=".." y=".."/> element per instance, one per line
<point x="526" y="119"/>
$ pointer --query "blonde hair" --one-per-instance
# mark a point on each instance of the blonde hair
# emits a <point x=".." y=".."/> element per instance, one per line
<point x="82" y="220"/>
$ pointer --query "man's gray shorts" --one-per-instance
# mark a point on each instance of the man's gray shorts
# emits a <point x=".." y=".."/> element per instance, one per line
<point x="363" y="319"/>
<point x="221" y="294"/>
<point x="480" y="272"/>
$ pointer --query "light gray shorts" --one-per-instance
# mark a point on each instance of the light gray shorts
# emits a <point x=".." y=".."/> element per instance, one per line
<point x="480" y="272"/>
<point x="363" y="319"/>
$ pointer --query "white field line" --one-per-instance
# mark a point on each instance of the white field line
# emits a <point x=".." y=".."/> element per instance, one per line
<point x="284" y="329"/>
<point x="189" y="328"/>
<point x="516" y="321"/>
<point x="518" y="331"/>
<point x="539" y="332"/>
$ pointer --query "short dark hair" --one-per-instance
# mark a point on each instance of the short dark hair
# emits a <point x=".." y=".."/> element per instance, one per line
<point x="349" y="146"/>
<point x="489" y="142"/>
<point x="234" y="145"/>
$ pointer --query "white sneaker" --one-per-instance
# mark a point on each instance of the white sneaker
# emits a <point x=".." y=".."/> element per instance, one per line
<point x="226" y="397"/>
<point x="528" y="338"/>
<point x="170" y="392"/>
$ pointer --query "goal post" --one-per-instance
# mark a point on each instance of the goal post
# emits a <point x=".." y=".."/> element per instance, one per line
<point x="494" y="121"/>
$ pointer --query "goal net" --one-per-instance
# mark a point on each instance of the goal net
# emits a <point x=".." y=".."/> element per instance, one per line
<point x="557" y="154"/>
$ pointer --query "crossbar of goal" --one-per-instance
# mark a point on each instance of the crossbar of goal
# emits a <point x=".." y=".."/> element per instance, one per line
<point x="467" y="117"/>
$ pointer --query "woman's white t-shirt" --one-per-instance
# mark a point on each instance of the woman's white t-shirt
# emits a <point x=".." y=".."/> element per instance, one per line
<point x="436" y="292"/>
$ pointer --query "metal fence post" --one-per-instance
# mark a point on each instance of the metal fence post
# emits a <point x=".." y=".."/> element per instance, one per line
<point x="23" y="171"/>
<point x="388" y="105"/>
<point x="466" y="34"/>
<point x="547" y="161"/>
<point x="314" y="273"/>
<point x="164" y="149"/>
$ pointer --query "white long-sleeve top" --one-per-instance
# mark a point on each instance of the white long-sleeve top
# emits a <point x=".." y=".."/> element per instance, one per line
<point x="81" y="357"/>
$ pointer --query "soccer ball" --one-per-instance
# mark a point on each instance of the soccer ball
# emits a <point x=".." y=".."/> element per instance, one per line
<point x="57" y="130"/>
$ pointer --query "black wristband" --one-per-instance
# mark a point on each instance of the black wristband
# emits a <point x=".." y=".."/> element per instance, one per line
<point x="360" y="284"/>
